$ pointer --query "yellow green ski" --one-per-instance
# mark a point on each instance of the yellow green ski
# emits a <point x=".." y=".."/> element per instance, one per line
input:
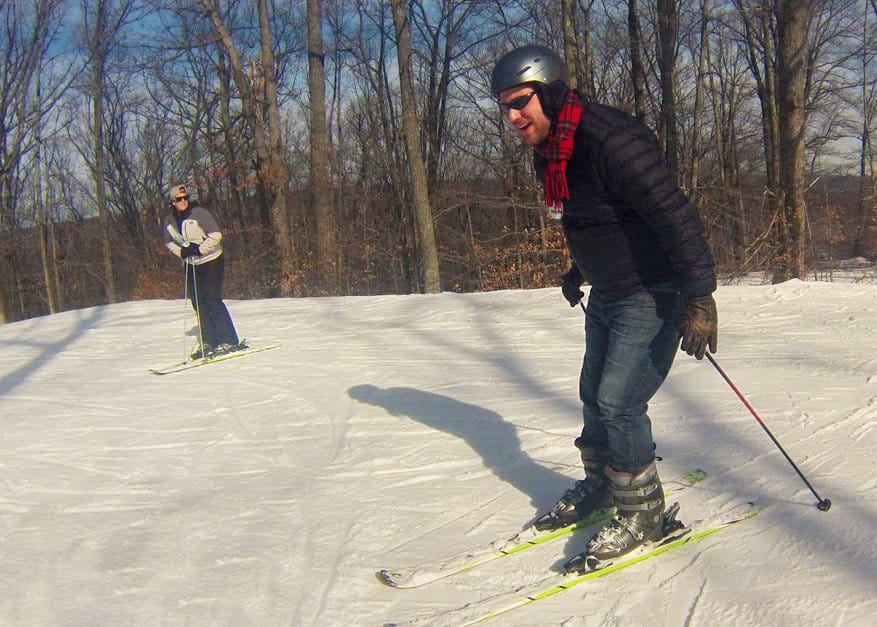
<point x="415" y="576"/>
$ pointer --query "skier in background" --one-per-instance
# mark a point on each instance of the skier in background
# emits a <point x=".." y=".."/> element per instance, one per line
<point x="639" y="242"/>
<point x="191" y="233"/>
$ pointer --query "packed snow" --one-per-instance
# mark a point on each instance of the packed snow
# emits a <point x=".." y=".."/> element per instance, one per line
<point x="394" y="431"/>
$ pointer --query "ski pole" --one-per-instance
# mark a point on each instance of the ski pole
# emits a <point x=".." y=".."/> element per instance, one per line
<point x="197" y="310"/>
<point x="823" y="504"/>
<point x="186" y="305"/>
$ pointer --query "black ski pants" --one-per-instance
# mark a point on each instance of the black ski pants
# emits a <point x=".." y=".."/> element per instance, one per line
<point x="205" y="292"/>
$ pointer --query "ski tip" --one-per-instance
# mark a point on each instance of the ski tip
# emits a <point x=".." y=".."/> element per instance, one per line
<point x="387" y="577"/>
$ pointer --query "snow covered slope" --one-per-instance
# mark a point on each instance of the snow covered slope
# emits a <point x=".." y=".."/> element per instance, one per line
<point x="395" y="430"/>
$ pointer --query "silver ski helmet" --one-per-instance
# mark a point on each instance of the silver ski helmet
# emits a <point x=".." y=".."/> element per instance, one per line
<point x="528" y="64"/>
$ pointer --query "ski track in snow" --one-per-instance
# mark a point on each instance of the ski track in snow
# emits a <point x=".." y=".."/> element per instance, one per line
<point x="398" y="430"/>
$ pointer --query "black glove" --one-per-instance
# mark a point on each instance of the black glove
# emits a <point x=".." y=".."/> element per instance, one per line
<point x="570" y="284"/>
<point x="701" y="326"/>
<point x="190" y="250"/>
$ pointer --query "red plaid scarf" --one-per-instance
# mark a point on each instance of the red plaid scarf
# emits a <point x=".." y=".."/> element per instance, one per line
<point x="557" y="149"/>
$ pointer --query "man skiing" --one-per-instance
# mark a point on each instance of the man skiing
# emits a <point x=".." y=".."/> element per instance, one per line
<point x="639" y="242"/>
<point x="191" y="233"/>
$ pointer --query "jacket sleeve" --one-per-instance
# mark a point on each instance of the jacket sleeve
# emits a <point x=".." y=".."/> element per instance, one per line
<point x="212" y="235"/>
<point x="210" y="243"/>
<point x="637" y="174"/>
<point x="171" y="238"/>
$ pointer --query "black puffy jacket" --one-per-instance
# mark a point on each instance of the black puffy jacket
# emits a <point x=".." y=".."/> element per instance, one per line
<point x="627" y="223"/>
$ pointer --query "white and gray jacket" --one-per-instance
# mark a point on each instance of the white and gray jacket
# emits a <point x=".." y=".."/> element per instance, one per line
<point x="197" y="227"/>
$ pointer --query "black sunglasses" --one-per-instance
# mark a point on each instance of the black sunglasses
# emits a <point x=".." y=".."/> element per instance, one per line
<point x="516" y="103"/>
<point x="179" y="198"/>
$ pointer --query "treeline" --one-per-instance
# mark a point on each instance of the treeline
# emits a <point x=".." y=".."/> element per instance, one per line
<point x="352" y="147"/>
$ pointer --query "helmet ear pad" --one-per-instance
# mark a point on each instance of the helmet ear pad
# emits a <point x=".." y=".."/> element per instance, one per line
<point x="552" y="97"/>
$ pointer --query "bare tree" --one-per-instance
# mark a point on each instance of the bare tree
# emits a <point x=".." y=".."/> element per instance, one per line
<point x="793" y="17"/>
<point x="258" y="92"/>
<point x="444" y="39"/>
<point x="867" y="201"/>
<point x="416" y="169"/>
<point x="380" y="173"/>
<point x="637" y="73"/>
<point x="759" y="26"/>
<point x="27" y="34"/>
<point x="327" y="226"/>
<point x="410" y="139"/>
<point x="668" y="31"/>
<point x="44" y="224"/>
<point x="699" y="90"/>
<point x="103" y="21"/>
<point x="572" y="48"/>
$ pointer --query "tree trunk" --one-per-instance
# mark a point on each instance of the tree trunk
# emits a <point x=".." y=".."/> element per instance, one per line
<point x="236" y="169"/>
<point x="668" y="30"/>
<point x="571" y="49"/>
<point x="98" y="44"/>
<point x="793" y="17"/>
<point x="637" y="73"/>
<point x="257" y="92"/>
<point x="867" y="200"/>
<point x="328" y="253"/>
<point x="727" y="164"/>
<point x="278" y="173"/>
<point x="759" y="27"/>
<point x="417" y="170"/>
<point x="41" y="213"/>
<point x="699" y="89"/>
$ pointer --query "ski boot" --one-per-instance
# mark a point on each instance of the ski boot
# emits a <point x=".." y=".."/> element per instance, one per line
<point x="671" y="529"/>
<point x="222" y="349"/>
<point x="587" y="497"/>
<point x="201" y="352"/>
<point x="225" y="348"/>
<point x="639" y="504"/>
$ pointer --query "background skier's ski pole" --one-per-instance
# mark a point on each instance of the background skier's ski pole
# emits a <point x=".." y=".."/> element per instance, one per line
<point x="823" y="504"/>
<point x="198" y="311"/>
<point x="186" y="309"/>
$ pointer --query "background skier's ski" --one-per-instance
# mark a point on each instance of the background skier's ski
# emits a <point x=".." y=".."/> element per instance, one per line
<point x="186" y="365"/>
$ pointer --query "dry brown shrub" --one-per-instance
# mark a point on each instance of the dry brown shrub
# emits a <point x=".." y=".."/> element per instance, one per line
<point x="159" y="282"/>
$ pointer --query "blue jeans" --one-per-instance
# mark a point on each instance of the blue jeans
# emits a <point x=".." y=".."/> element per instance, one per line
<point x="630" y="345"/>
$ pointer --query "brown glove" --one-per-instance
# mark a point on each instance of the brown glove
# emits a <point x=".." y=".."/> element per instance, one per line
<point x="701" y="326"/>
